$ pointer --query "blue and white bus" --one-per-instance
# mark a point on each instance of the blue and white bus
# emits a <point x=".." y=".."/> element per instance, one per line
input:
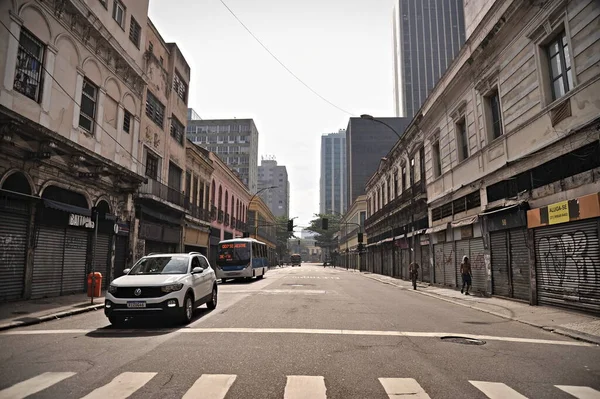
<point x="241" y="258"/>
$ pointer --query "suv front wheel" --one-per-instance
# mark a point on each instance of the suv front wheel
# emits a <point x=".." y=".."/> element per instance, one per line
<point x="187" y="312"/>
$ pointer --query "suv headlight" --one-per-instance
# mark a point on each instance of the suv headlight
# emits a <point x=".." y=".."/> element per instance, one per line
<point x="112" y="289"/>
<point x="171" y="287"/>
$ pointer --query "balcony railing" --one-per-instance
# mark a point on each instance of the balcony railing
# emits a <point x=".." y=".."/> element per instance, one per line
<point x="220" y="216"/>
<point x="162" y="191"/>
<point x="233" y="222"/>
<point x="197" y="212"/>
<point x="415" y="191"/>
<point x="226" y="220"/>
<point x="213" y="212"/>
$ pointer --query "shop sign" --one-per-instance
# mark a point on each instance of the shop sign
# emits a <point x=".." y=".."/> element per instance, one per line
<point x="466" y="231"/>
<point x="558" y="213"/>
<point x="565" y="211"/>
<point x="81" y="221"/>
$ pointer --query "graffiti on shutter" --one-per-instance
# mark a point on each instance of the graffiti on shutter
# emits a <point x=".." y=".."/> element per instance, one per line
<point x="425" y="263"/>
<point x="499" y="249"/>
<point x="449" y="265"/>
<point x="13" y="244"/>
<point x="519" y="263"/>
<point x="478" y="268"/>
<point x="568" y="265"/>
<point x="438" y="250"/>
<point x="462" y="249"/>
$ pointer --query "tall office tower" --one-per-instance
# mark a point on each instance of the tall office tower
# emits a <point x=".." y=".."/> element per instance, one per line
<point x="427" y="36"/>
<point x="333" y="173"/>
<point x="272" y="175"/>
<point x="235" y="141"/>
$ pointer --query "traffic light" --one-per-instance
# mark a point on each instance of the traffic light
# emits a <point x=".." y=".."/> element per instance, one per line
<point x="290" y="226"/>
<point x="324" y="223"/>
<point x="360" y="237"/>
<point x="298" y="242"/>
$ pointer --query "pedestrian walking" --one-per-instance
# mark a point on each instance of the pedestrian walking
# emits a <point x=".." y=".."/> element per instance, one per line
<point x="465" y="271"/>
<point x="413" y="271"/>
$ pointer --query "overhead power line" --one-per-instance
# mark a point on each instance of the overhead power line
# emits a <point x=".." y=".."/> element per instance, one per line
<point x="282" y="64"/>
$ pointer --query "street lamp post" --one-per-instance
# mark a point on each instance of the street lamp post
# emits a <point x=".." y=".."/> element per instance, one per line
<point x="250" y="203"/>
<point x="412" y="213"/>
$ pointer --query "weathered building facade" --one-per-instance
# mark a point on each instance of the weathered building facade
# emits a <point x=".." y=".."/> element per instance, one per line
<point x="160" y="201"/>
<point x="70" y="72"/>
<point x="351" y="224"/>
<point x="512" y="157"/>
<point x="262" y="226"/>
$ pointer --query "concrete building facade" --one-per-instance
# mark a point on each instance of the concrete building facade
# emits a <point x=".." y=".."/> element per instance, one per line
<point x="270" y="174"/>
<point x="427" y="36"/>
<point x="333" y="173"/>
<point x="235" y="141"/>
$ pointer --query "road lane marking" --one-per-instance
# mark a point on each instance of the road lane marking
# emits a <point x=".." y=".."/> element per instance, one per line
<point x="411" y="334"/>
<point x="497" y="390"/>
<point x="122" y="386"/>
<point x="210" y="386"/>
<point x="305" y="387"/>
<point x="34" y="385"/>
<point x="403" y="387"/>
<point x="580" y="392"/>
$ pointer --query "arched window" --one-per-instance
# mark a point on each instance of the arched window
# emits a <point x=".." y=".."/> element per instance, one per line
<point x="212" y="194"/>
<point x="226" y="201"/>
<point x="220" y="198"/>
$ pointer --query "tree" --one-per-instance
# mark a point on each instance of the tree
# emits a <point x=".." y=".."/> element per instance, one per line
<point x="324" y="238"/>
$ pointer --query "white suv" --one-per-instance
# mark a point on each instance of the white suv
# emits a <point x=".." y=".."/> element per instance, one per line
<point x="170" y="285"/>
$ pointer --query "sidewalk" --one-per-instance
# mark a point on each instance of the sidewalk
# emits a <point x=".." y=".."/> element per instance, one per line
<point x="24" y="313"/>
<point x="569" y="323"/>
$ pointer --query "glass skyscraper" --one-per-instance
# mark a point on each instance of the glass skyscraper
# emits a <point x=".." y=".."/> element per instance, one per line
<point x="333" y="173"/>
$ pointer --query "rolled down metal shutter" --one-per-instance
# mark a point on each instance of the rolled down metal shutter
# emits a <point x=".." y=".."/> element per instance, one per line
<point x="567" y="256"/>
<point x="478" y="268"/>
<point x="425" y="263"/>
<point x="519" y="263"/>
<point x="121" y="244"/>
<point x="462" y="249"/>
<point x="74" y="263"/>
<point x="404" y="265"/>
<point x="47" y="262"/>
<point x="417" y="258"/>
<point x="499" y="248"/>
<point x="438" y="250"/>
<point x="101" y="257"/>
<point x="13" y="244"/>
<point x="449" y="265"/>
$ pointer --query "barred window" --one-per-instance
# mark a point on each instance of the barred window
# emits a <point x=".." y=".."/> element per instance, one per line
<point x="154" y="109"/>
<point x="180" y="87"/>
<point x="30" y="58"/>
<point x="151" y="166"/>
<point x="135" y="32"/>
<point x="177" y="130"/>
<point x="89" y="98"/>
<point x="126" y="122"/>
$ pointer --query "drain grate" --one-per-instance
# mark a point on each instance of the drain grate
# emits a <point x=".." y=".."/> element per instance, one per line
<point x="463" y="340"/>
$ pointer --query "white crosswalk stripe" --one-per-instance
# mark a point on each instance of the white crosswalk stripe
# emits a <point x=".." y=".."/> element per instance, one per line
<point x="122" y="386"/>
<point x="216" y="386"/>
<point x="305" y="387"/>
<point x="402" y="388"/>
<point x="210" y="386"/>
<point x="580" y="392"/>
<point x="33" y="385"/>
<point x="497" y="390"/>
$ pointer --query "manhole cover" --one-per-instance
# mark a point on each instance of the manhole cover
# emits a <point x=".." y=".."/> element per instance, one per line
<point x="463" y="340"/>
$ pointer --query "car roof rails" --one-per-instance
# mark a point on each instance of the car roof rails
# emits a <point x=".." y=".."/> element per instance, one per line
<point x="194" y="253"/>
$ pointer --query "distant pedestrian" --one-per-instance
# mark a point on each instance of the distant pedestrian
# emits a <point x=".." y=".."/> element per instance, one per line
<point x="465" y="271"/>
<point x="413" y="271"/>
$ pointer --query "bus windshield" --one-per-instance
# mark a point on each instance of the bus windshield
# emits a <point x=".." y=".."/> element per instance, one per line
<point x="233" y="253"/>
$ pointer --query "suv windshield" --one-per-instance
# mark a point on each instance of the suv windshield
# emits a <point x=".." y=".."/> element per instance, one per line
<point x="161" y="265"/>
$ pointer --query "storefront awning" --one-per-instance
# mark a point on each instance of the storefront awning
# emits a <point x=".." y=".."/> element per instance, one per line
<point x="436" y="229"/>
<point x="61" y="206"/>
<point x="416" y="232"/>
<point x="159" y="216"/>
<point x="465" y="222"/>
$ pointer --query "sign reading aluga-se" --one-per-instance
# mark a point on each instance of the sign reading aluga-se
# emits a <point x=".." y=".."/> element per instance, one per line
<point x="81" y="221"/>
<point x="558" y="213"/>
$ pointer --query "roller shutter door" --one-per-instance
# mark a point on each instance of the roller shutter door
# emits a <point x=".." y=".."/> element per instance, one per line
<point x="478" y="268"/>
<point x="449" y="265"/>
<point x="567" y="259"/>
<point x="438" y="250"/>
<point x="74" y="261"/>
<point x="425" y="263"/>
<point x="500" y="277"/>
<point x="405" y="263"/>
<point x="121" y="246"/>
<point x="47" y="262"/>
<point x="519" y="263"/>
<point x="462" y="249"/>
<point x="417" y="258"/>
<point x="13" y="244"/>
<point x="101" y="256"/>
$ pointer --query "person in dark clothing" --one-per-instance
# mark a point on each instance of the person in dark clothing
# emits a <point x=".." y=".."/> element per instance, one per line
<point x="465" y="271"/>
<point x="413" y="271"/>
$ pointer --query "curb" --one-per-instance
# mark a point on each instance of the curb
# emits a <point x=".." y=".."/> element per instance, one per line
<point x="49" y="317"/>
<point x="558" y="330"/>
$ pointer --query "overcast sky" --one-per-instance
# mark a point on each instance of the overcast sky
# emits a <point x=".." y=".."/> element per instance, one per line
<point x="341" y="48"/>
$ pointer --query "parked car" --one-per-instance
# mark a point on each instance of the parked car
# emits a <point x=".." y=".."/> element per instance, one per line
<point x="162" y="285"/>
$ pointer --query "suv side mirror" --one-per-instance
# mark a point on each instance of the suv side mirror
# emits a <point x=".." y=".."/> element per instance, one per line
<point x="197" y="270"/>
<point x="126" y="271"/>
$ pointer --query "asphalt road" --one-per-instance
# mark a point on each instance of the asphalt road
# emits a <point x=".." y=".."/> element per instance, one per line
<point x="305" y="332"/>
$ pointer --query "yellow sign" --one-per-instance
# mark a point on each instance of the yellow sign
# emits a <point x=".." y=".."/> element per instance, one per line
<point x="558" y="213"/>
